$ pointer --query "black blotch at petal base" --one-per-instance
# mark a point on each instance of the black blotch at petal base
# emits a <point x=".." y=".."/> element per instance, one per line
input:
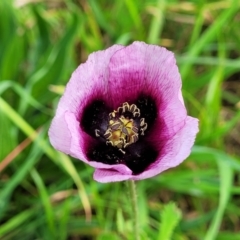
<point x="105" y="154"/>
<point x="95" y="116"/>
<point x="138" y="156"/>
<point x="148" y="109"/>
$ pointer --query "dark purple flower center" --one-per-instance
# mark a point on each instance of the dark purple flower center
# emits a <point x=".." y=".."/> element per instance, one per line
<point x="121" y="134"/>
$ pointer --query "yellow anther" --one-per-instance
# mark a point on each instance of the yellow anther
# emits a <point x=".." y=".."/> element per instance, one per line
<point x="122" y="130"/>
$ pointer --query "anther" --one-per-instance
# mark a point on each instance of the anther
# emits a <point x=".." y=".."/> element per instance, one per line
<point x="125" y="107"/>
<point x="133" y="108"/>
<point x="97" y="133"/>
<point x="112" y="114"/>
<point x="136" y="113"/>
<point x="107" y="134"/>
<point x="144" y="127"/>
<point x="142" y="122"/>
<point x="109" y="143"/>
<point x="121" y="151"/>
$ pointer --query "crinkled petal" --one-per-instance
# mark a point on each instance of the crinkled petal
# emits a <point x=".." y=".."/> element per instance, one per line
<point x="65" y="135"/>
<point x="175" y="151"/>
<point x="59" y="134"/>
<point x="150" y="70"/>
<point x="88" y="81"/>
<point x="109" y="175"/>
<point x="78" y="137"/>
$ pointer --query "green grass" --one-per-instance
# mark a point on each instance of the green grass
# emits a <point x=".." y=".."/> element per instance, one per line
<point x="45" y="194"/>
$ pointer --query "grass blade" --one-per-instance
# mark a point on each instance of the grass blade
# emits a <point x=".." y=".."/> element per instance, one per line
<point x="60" y="159"/>
<point x="209" y="34"/>
<point x="226" y="177"/>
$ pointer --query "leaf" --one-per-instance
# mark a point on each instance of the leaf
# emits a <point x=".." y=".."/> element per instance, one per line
<point x="18" y="177"/>
<point x="170" y="218"/>
<point x="209" y="35"/>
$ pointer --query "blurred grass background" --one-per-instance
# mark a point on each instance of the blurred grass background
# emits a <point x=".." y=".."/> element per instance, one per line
<point x="45" y="194"/>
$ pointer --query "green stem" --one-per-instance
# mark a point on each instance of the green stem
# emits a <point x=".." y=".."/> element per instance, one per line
<point x="133" y="198"/>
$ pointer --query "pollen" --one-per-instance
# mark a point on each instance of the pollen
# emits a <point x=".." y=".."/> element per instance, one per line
<point x="121" y="132"/>
<point x="124" y="127"/>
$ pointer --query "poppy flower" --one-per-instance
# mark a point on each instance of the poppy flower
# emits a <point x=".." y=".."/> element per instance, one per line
<point x="122" y="113"/>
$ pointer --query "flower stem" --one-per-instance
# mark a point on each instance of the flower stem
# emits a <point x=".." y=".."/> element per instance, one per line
<point x="133" y="199"/>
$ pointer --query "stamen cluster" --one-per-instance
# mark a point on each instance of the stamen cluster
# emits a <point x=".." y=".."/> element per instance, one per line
<point x="124" y="126"/>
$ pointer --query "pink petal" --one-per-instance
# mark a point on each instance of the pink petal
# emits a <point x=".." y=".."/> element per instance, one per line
<point x="108" y="175"/>
<point x="175" y="150"/>
<point x="59" y="134"/>
<point x="65" y="135"/>
<point x="89" y="80"/>
<point x="151" y="70"/>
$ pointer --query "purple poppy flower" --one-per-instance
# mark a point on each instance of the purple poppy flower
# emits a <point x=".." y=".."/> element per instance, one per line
<point x="122" y="112"/>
